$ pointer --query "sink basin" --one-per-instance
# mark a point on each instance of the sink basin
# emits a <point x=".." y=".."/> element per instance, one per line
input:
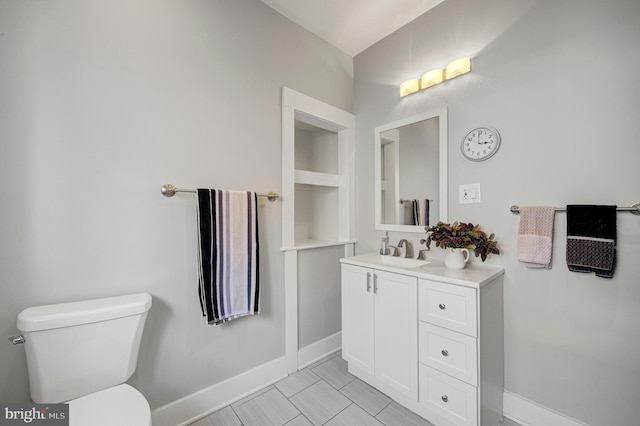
<point x="402" y="262"/>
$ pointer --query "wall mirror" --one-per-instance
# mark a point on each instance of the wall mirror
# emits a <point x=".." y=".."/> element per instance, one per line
<point x="411" y="172"/>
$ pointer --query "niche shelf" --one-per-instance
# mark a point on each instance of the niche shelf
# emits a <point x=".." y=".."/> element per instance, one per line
<point x="315" y="216"/>
<point x="311" y="179"/>
<point x="317" y="173"/>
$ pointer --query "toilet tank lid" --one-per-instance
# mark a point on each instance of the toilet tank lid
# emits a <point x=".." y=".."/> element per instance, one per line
<point x="84" y="312"/>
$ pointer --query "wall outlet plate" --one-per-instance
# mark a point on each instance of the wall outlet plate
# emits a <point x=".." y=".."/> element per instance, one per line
<point x="470" y="193"/>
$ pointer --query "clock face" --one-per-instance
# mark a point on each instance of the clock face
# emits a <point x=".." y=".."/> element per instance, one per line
<point x="480" y="144"/>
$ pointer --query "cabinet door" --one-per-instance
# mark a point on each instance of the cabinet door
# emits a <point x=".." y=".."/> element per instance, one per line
<point x="396" y="331"/>
<point x="357" y="317"/>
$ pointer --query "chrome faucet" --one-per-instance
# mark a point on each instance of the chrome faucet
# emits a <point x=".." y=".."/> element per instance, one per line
<point x="408" y="249"/>
<point x="422" y="254"/>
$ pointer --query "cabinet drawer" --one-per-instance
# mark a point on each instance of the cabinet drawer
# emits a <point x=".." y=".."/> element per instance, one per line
<point x="449" y="306"/>
<point x="452" y="399"/>
<point x="450" y="352"/>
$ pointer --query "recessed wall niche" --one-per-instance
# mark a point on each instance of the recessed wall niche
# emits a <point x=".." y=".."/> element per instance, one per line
<point x="318" y="148"/>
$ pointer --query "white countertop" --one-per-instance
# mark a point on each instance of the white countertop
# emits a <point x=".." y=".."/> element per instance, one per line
<point x="471" y="276"/>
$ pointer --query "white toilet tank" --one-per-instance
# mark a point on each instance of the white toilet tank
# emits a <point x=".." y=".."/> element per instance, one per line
<point x="74" y="349"/>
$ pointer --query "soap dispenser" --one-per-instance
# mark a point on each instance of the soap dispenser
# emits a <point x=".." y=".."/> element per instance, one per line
<point x="384" y="247"/>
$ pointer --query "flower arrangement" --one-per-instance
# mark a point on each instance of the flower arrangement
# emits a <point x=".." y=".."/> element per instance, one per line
<point x="462" y="235"/>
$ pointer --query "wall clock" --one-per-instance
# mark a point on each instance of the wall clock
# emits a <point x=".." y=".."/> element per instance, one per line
<point x="480" y="144"/>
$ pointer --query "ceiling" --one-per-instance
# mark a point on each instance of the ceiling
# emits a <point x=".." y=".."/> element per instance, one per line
<point x="352" y="25"/>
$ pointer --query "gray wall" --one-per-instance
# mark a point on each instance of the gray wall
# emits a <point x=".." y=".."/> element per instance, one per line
<point x="102" y="102"/>
<point x="319" y="308"/>
<point x="559" y="79"/>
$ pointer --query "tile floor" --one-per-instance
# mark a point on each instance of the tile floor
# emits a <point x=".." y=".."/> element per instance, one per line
<point x="322" y="394"/>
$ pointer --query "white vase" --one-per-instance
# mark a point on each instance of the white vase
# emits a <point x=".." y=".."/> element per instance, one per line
<point x="456" y="258"/>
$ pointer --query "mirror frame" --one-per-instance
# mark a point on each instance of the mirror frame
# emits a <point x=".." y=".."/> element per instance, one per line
<point x="442" y="162"/>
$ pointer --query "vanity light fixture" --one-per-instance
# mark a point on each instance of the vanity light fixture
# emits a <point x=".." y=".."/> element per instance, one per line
<point x="454" y="69"/>
<point x="458" y="67"/>
<point x="409" y="87"/>
<point x="431" y="78"/>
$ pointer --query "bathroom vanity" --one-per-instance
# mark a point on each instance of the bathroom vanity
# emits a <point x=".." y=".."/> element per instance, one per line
<point x="429" y="337"/>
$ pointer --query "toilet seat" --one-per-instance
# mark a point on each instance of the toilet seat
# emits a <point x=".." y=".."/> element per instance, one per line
<point x="119" y="405"/>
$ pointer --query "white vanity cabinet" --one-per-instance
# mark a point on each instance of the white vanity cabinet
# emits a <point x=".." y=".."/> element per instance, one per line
<point x="429" y="337"/>
<point x="380" y="327"/>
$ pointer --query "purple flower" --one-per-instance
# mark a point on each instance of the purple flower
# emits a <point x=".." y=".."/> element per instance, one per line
<point x="463" y="235"/>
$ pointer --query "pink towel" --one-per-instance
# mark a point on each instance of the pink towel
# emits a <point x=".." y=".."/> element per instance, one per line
<point x="535" y="236"/>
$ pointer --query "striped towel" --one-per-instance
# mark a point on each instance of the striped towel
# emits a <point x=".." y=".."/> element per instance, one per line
<point x="228" y="274"/>
<point x="591" y="239"/>
<point x="535" y="236"/>
<point x="420" y="212"/>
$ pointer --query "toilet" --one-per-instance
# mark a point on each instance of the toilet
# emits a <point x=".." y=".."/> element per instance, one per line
<point x="82" y="353"/>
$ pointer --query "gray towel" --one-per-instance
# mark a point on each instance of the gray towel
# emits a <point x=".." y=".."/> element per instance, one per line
<point x="591" y="239"/>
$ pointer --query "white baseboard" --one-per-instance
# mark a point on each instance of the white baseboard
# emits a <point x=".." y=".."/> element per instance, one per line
<point x="529" y="413"/>
<point x="318" y="350"/>
<point x="204" y="402"/>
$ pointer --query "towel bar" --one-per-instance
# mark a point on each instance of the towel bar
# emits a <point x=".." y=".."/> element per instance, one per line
<point x="169" y="190"/>
<point x="634" y="209"/>
<point x="405" y="200"/>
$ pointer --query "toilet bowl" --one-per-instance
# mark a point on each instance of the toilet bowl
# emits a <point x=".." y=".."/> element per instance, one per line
<point x="119" y="405"/>
<point x="82" y="353"/>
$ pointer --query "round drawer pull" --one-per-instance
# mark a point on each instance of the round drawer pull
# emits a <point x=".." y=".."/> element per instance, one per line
<point x="442" y="306"/>
<point x="444" y="352"/>
<point x="445" y="398"/>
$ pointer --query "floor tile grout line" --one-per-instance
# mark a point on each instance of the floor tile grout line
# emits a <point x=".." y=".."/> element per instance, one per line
<point x="338" y="413"/>
<point x="306" y="387"/>
<point x="372" y="415"/>
<point x="260" y="394"/>
<point x="379" y="412"/>
<point x="253" y="395"/>
<point x="319" y="363"/>
<point x="307" y="418"/>
<point x="383" y="408"/>
<point x="320" y="378"/>
<point x="292" y="404"/>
